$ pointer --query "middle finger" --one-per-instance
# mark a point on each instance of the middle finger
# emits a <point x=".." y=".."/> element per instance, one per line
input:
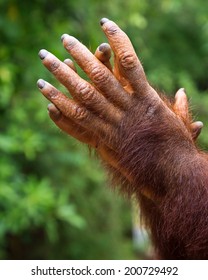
<point x="100" y="75"/>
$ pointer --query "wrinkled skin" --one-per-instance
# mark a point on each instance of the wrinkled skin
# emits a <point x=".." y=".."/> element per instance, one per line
<point x="97" y="108"/>
<point x="146" y="141"/>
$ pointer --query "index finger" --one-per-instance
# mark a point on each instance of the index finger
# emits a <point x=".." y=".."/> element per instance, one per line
<point x="129" y="64"/>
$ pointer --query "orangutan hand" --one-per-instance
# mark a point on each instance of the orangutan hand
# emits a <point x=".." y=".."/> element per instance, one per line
<point x="97" y="110"/>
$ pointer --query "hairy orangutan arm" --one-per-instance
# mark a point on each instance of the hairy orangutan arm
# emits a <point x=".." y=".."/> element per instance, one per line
<point x="100" y="113"/>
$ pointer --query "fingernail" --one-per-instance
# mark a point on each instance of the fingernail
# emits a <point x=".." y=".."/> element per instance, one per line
<point x="41" y="83"/>
<point x="104" y="47"/>
<point x="103" y="20"/>
<point x="70" y="63"/>
<point x="42" y="54"/>
<point x="54" y="112"/>
<point x="63" y="36"/>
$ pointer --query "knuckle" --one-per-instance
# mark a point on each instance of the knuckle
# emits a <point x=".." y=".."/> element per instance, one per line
<point x="54" y="65"/>
<point x="52" y="94"/>
<point x="98" y="75"/>
<point x="112" y="30"/>
<point x="79" y="113"/>
<point x="128" y="60"/>
<point x="86" y="92"/>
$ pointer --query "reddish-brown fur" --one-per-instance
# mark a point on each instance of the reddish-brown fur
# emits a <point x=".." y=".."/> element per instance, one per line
<point x="147" y="142"/>
<point x="170" y="180"/>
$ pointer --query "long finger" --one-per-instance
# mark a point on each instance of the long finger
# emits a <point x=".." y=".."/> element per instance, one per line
<point x="129" y="64"/>
<point x="100" y="75"/>
<point x="79" y="88"/>
<point x="70" y="63"/>
<point x="125" y="83"/>
<point x="103" y="53"/>
<point x="76" y="112"/>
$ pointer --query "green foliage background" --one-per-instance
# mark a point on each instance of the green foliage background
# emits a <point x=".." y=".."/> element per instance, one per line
<point x="54" y="199"/>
